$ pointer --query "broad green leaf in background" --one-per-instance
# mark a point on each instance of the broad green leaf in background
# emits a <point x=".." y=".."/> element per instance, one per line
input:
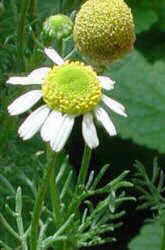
<point x="149" y="238"/>
<point x="141" y="88"/>
<point x="161" y="10"/>
<point x="145" y="15"/>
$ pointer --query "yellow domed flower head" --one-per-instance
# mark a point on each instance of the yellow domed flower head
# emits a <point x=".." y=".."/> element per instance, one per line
<point x="68" y="90"/>
<point x="59" y="26"/>
<point x="104" y="30"/>
<point x="72" y="88"/>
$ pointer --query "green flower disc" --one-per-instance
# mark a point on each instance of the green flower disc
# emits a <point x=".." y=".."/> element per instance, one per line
<point x="72" y="88"/>
<point x="104" y="30"/>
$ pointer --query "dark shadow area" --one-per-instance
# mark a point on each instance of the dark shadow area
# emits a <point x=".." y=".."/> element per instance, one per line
<point x="152" y="44"/>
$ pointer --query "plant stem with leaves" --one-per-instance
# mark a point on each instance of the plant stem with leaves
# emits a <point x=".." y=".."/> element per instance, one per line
<point x="52" y="162"/>
<point x="54" y="193"/>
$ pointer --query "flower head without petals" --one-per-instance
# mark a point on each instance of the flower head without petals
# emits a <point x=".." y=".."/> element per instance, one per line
<point x="68" y="90"/>
<point x="104" y="30"/>
<point x="57" y="26"/>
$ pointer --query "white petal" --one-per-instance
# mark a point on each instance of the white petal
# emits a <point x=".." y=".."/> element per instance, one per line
<point x="54" y="56"/>
<point x="51" y="126"/>
<point x="89" y="131"/>
<point x="113" y="105"/>
<point x="38" y="75"/>
<point x="63" y="132"/>
<point x="106" y="82"/>
<point x="24" y="102"/>
<point x="104" y="118"/>
<point x="33" y="123"/>
<point x="35" y="77"/>
<point x="21" y="80"/>
<point x="56" y="130"/>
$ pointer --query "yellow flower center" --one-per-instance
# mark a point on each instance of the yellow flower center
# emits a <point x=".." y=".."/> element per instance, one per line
<point x="72" y="88"/>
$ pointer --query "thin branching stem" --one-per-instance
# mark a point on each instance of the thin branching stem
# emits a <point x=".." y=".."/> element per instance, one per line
<point x="39" y="200"/>
<point x="55" y="197"/>
<point x="6" y="247"/>
<point x="19" y="220"/>
<point x="74" y="204"/>
<point x="8" y="227"/>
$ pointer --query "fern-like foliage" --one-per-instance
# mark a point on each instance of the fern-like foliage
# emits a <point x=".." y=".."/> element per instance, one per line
<point x="84" y="224"/>
<point x="151" y="188"/>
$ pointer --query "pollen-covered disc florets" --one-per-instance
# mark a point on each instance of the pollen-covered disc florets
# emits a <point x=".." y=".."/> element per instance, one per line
<point x="72" y="88"/>
<point x="104" y="30"/>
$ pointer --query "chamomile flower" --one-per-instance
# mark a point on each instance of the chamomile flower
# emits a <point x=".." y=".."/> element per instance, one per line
<point x="68" y="90"/>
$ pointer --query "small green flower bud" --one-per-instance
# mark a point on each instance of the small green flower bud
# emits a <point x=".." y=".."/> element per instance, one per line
<point x="104" y="30"/>
<point x="58" y="26"/>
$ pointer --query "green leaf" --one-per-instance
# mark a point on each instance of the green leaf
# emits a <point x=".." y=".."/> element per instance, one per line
<point x="161" y="10"/>
<point x="149" y="238"/>
<point x="144" y="14"/>
<point x="141" y="88"/>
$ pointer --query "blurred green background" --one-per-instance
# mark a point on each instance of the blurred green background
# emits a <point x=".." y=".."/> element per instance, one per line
<point x="140" y="78"/>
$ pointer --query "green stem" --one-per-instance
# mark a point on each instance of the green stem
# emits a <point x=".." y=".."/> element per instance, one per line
<point x="74" y="204"/>
<point x="21" y="33"/>
<point x="70" y="54"/>
<point x="33" y="7"/>
<point x="55" y="199"/>
<point x="60" y="6"/>
<point x="15" y="11"/>
<point x="163" y="238"/>
<point x="52" y="161"/>
<point x="33" y="12"/>
<point x="33" y="23"/>
<point x="84" y="166"/>
<point x="6" y="247"/>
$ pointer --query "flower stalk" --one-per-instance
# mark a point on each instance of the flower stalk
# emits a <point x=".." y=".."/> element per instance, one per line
<point x="52" y="162"/>
<point x="84" y="166"/>
<point x="81" y="179"/>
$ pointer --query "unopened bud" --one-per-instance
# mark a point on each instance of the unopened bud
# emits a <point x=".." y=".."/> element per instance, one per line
<point x="57" y="26"/>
